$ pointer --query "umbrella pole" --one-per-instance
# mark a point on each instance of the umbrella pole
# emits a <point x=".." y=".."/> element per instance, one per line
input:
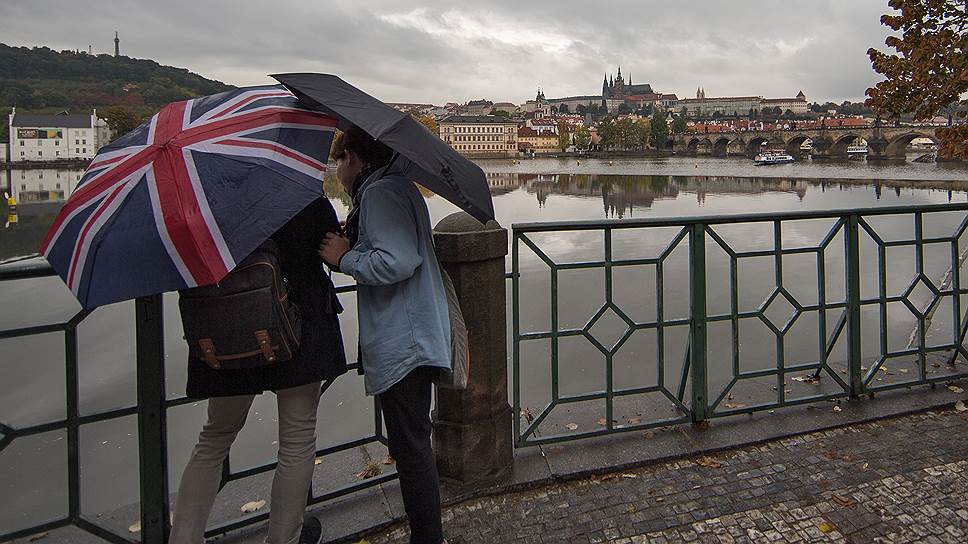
<point x="152" y="433"/>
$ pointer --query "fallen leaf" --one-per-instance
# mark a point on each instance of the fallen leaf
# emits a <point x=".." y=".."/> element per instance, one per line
<point x="955" y="389"/>
<point x="731" y="405"/>
<point x="252" y="506"/>
<point x="710" y="462"/>
<point x="842" y="501"/>
<point x="630" y="509"/>
<point x="135" y="527"/>
<point x="936" y="365"/>
<point x="838" y="409"/>
<point x="318" y="461"/>
<point x="629" y="475"/>
<point x="827" y="527"/>
<point x="903" y="370"/>
<point x="371" y="469"/>
<point x="571" y="426"/>
<point x="527" y="415"/>
<point x="960" y="406"/>
<point x="633" y="420"/>
<point x="389" y="460"/>
<point x="867" y="466"/>
<point x="647" y="434"/>
<point x="601" y="422"/>
<point x="39" y="536"/>
<point x="659" y="499"/>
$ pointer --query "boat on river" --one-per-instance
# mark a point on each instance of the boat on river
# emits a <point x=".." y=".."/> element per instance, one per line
<point x="856" y="150"/>
<point x="772" y="156"/>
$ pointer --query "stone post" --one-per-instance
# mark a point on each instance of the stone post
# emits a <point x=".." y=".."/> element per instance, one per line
<point x="472" y="428"/>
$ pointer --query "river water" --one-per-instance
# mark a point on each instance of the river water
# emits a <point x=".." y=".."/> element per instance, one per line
<point x="32" y="391"/>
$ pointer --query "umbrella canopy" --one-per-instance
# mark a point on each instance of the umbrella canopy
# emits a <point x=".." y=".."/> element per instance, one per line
<point x="177" y="202"/>
<point x="432" y="163"/>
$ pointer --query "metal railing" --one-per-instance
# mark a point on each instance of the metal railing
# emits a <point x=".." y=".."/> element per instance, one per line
<point x="151" y="410"/>
<point x="690" y="395"/>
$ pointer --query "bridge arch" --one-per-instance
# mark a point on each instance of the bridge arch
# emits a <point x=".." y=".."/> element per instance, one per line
<point x="793" y="144"/>
<point x="721" y="146"/>
<point x="755" y="144"/>
<point x="840" y="144"/>
<point x="897" y="145"/>
<point x="693" y="146"/>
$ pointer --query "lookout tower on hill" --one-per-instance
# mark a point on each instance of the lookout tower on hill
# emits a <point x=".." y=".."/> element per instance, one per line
<point x="117" y="44"/>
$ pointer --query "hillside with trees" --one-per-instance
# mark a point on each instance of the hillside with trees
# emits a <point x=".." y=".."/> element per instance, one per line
<point x="123" y="89"/>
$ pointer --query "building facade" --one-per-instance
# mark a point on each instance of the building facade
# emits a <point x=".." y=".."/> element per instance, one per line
<point x="480" y="135"/>
<point x="531" y="140"/>
<point x="703" y="106"/>
<point x="53" y="138"/>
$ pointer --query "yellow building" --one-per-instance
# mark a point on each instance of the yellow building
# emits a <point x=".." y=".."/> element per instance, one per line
<point x="480" y="135"/>
<point x="540" y="142"/>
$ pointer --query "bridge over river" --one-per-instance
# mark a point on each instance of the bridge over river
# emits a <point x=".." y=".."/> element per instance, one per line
<point x="882" y="142"/>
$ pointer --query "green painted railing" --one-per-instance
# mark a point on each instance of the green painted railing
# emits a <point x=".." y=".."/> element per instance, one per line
<point x="690" y="396"/>
<point x="151" y="409"/>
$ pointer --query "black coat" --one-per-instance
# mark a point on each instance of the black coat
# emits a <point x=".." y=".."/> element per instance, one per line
<point x="320" y="355"/>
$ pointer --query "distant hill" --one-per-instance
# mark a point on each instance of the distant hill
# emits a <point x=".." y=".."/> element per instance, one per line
<point x="42" y="80"/>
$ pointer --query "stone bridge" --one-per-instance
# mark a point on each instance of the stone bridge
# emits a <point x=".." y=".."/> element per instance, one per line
<point x="882" y="142"/>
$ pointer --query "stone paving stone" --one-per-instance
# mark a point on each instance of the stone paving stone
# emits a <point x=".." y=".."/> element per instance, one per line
<point x="890" y="481"/>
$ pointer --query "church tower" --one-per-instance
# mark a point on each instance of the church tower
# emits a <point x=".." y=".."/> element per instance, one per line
<point x="117" y="44"/>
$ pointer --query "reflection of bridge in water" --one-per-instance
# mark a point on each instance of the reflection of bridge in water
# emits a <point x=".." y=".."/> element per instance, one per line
<point x="828" y="143"/>
<point x="621" y="194"/>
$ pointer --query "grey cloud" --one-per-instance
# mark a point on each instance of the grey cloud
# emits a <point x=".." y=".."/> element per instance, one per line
<point x="740" y="47"/>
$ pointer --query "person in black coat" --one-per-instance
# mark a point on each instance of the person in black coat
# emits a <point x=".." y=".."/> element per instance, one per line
<point x="296" y="384"/>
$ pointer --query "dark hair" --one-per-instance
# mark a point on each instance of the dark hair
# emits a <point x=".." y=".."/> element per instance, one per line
<point x="367" y="148"/>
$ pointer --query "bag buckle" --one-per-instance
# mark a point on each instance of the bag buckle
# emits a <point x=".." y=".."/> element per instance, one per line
<point x="262" y="338"/>
<point x="208" y="352"/>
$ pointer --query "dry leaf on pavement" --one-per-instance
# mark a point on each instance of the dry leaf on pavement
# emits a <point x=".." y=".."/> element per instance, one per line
<point x="135" y="527"/>
<point x="371" y="469"/>
<point x="389" y="460"/>
<point x="710" y="462"/>
<point x="571" y="426"/>
<point x="955" y="389"/>
<point x="842" y="501"/>
<point x="39" y="536"/>
<point x="601" y="422"/>
<point x="827" y="527"/>
<point x="252" y="506"/>
<point x="838" y="409"/>
<point x="960" y="406"/>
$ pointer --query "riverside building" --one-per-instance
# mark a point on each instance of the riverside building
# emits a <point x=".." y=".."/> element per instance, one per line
<point x="55" y="138"/>
<point x="480" y="135"/>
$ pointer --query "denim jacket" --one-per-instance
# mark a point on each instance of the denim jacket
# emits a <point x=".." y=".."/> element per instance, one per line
<point x="402" y="308"/>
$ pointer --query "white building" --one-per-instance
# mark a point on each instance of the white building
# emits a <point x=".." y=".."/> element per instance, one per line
<point x="50" y="138"/>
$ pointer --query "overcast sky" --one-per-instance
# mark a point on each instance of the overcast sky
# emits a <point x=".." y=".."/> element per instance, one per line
<point x="440" y="50"/>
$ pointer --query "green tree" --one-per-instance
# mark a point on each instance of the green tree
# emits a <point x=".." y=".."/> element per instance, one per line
<point x="501" y="113"/>
<point x="643" y="133"/>
<point x="121" y="120"/>
<point x="928" y="70"/>
<point x="660" y="132"/>
<point x="582" y="137"/>
<point x="564" y="137"/>
<point x="606" y="132"/>
<point x="679" y="124"/>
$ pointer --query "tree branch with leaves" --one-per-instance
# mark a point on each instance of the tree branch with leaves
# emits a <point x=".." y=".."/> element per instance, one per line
<point x="927" y="73"/>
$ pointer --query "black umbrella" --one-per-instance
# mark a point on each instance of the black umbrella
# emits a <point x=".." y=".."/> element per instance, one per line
<point x="432" y="163"/>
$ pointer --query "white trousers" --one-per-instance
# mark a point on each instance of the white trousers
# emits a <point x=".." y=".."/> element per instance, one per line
<point x="290" y="485"/>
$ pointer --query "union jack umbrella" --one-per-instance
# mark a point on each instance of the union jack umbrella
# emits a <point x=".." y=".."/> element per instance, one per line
<point x="182" y="198"/>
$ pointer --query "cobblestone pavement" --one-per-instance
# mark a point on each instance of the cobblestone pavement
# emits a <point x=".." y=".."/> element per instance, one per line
<point x="897" y="480"/>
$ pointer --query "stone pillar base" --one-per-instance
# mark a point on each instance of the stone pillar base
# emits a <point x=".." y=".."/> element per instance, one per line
<point x="476" y="451"/>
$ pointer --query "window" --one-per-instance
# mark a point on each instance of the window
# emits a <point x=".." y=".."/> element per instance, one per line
<point x="56" y="142"/>
<point x="23" y="186"/>
<point x="77" y="142"/>
<point x="40" y="153"/>
<point x="21" y="153"/>
<point x="84" y="141"/>
<point x="58" y="186"/>
<point x="21" y="143"/>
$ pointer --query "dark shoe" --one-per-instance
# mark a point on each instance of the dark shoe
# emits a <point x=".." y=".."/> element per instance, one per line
<point x="312" y="531"/>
